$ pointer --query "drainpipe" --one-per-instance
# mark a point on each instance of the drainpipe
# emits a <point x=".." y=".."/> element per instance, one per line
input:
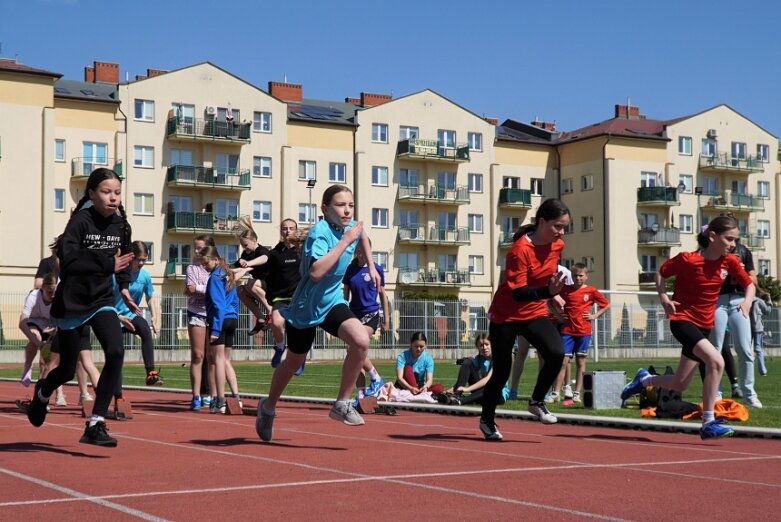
<point x="605" y="212"/>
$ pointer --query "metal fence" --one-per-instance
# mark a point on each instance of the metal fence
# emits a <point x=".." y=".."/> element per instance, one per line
<point x="634" y="325"/>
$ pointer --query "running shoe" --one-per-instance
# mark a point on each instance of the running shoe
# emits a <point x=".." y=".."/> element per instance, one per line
<point x="60" y="400"/>
<point x="490" y="431"/>
<point x="344" y="411"/>
<point x="636" y="384"/>
<point x="374" y="387"/>
<point x="576" y="397"/>
<point x="567" y="391"/>
<point x="36" y="413"/>
<point x="300" y="369"/>
<point x="98" y="435"/>
<point x="85" y="397"/>
<point x="153" y="379"/>
<point x="753" y="402"/>
<point x="540" y="410"/>
<point x="221" y="406"/>
<point x="206" y="402"/>
<point x="195" y="403"/>
<point x="264" y="424"/>
<point x="214" y="405"/>
<point x="552" y="397"/>
<point x="276" y="359"/>
<point x="27" y="375"/>
<point x="513" y="395"/>
<point x="716" y="429"/>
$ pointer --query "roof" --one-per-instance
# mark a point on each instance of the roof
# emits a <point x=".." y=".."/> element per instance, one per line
<point x="86" y="91"/>
<point x="512" y="130"/>
<point x="642" y="128"/>
<point x="322" y="111"/>
<point x="10" y="65"/>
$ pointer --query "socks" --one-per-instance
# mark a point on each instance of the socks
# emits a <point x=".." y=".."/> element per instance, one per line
<point x="707" y="416"/>
<point x="373" y="374"/>
<point x="95" y="419"/>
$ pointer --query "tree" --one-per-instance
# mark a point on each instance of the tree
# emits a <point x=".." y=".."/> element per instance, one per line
<point x="771" y="286"/>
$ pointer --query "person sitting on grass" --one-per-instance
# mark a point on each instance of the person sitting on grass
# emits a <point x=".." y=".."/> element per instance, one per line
<point x="472" y="377"/>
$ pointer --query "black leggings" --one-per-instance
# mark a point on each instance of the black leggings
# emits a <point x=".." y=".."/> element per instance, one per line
<point x="109" y="334"/>
<point x="144" y="332"/>
<point x="542" y="334"/>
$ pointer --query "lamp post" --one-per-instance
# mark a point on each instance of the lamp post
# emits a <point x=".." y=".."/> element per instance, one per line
<point x="310" y="184"/>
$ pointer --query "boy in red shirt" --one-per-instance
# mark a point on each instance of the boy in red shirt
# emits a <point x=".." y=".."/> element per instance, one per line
<point x="579" y="299"/>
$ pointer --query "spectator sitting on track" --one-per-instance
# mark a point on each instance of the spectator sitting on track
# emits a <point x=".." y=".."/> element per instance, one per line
<point x="472" y="377"/>
<point x="415" y="368"/>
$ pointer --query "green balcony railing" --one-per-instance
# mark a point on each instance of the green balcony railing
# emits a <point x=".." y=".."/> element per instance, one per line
<point x="448" y="235"/>
<point x="646" y="278"/>
<point x="658" y="195"/>
<point x="659" y="236"/>
<point x="209" y="129"/>
<point x="514" y="197"/>
<point x="729" y="200"/>
<point x="176" y="268"/>
<point x="194" y="221"/>
<point x="727" y="162"/>
<point x="434" y="277"/>
<point x="432" y="149"/>
<point x="436" y="193"/>
<point x="208" y="177"/>
<point x="83" y="167"/>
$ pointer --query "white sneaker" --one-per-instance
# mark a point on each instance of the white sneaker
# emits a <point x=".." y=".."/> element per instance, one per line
<point x="567" y="391"/>
<point x="539" y="410"/>
<point x="753" y="402"/>
<point x="344" y="411"/>
<point x="61" y="400"/>
<point x="719" y="396"/>
<point x="576" y="397"/>
<point x="552" y="397"/>
<point x="85" y="397"/>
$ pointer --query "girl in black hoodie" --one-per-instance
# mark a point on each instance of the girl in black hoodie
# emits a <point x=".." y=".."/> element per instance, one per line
<point x="94" y="246"/>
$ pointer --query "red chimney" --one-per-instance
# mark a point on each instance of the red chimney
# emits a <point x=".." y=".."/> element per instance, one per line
<point x="492" y="121"/>
<point x="106" y="72"/>
<point x="140" y="77"/>
<point x="89" y="74"/>
<point x="286" y="91"/>
<point x="354" y="101"/>
<point x="549" y="126"/>
<point x="369" y="99"/>
<point x="628" y="112"/>
<point x="150" y="73"/>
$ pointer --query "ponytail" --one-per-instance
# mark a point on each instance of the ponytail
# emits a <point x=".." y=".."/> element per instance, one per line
<point x="210" y="252"/>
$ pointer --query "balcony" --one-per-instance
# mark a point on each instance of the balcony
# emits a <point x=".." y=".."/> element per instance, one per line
<point x="434" y="277"/>
<point x="416" y="234"/>
<point x="734" y="202"/>
<point x="754" y="242"/>
<point x="196" y="129"/>
<point x="436" y="193"/>
<point x="726" y="163"/>
<point x="655" y="236"/>
<point x="200" y="222"/>
<point x="515" y="198"/>
<point x="81" y="168"/>
<point x="426" y="150"/>
<point x="506" y="239"/>
<point x="646" y="279"/>
<point x="208" y="177"/>
<point x="657" y="197"/>
<point x="176" y="268"/>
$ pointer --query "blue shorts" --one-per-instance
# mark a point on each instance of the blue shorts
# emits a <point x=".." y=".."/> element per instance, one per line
<point x="575" y="344"/>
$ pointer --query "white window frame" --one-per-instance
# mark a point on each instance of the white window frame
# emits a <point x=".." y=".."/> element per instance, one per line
<point x="567" y="186"/>
<point x="378" y="172"/>
<point x="763" y="228"/>
<point x="143" y="156"/>
<point x="708" y="148"/>
<point x="380" y="258"/>
<point x="684" y="145"/>
<point x="476" y="264"/>
<point x="379" y="133"/>
<point x="763" y="267"/>
<point x="181" y="157"/>
<point x="337" y="172"/>
<point x="380" y="218"/>
<point x="586" y="182"/>
<point x="649" y="179"/>
<point x="181" y="203"/>
<point x="59" y="200"/>
<point x="537" y="186"/>
<point x="226" y="208"/>
<point x="150" y="252"/>
<point x="261" y="122"/>
<point x="763" y="152"/>
<point x="513" y="182"/>
<point x="229" y="252"/>
<point x="307" y="213"/>
<point x="261" y="211"/>
<point x="686" y="221"/>
<point x="586" y="223"/>
<point x="739" y="150"/>
<point x="688" y="182"/>
<point x="147" y="204"/>
<point x="405" y="258"/>
<point x="59" y="150"/>
<point x="261" y="166"/>
<point x="143" y="110"/>
<point x="589" y="262"/>
<point x="475" y="223"/>
<point x="446" y="139"/>
<point x="475" y="140"/>
<point x="408" y="132"/>
<point x="710" y="185"/>
<point x="763" y="189"/>
<point x="307" y="170"/>
<point x="475" y="180"/>
<point x="649" y="263"/>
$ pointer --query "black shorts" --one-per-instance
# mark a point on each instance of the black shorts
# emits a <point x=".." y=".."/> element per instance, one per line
<point x="84" y="341"/>
<point x="300" y="341"/>
<point x="688" y="334"/>
<point x="372" y="320"/>
<point x="44" y="335"/>
<point x="280" y="303"/>
<point x="227" y="334"/>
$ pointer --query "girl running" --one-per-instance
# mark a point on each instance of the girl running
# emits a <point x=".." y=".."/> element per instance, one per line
<point x="195" y="289"/>
<point x="699" y="277"/>
<point x="94" y="247"/>
<point x="519" y="307"/>
<point x="319" y="301"/>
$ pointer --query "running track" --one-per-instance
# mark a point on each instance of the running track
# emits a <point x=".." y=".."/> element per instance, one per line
<point x="173" y="464"/>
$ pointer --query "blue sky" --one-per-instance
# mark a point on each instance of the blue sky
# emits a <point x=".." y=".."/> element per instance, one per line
<point x="569" y="61"/>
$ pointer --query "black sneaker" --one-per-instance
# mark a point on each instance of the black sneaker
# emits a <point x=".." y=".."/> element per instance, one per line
<point x="98" y="435"/>
<point x="490" y="431"/>
<point x="36" y="413"/>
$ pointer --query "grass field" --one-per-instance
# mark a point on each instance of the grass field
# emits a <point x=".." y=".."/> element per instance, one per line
<point x="321" y="379"/>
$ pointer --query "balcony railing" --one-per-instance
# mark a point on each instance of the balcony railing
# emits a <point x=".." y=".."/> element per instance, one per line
<point x="436" y="193"/>
<point x="435" y="236"/>
<point x="412" y="234"/>
<point x="734" y="201"/>
<point x="646" y="278"/>
<point x="515" y="198"/>
<point x="201" y="222"/>
<point x="416" y="148"/>
<point x="176" y="268"/>
<point x="506" y="239"/>
<point x="208" y="177"/>
<point x="659" y="236"/>
<point x="725" y="162"/>
<point x="434" y="277"/>
<point x="83" y="167"/>
<point x="754" y="242"/>
<point x="658" y="196"/>
<point x="208" y="130"/>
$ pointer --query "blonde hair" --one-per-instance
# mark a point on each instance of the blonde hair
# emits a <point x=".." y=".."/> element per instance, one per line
<point x="211" y="252"/>
<point x="245" y="230"/>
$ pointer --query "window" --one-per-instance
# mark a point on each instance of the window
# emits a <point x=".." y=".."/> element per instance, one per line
<point x="144" y="156"/>
<point x="587" y="182"/>
<point x="763" y="228"/>
<point x="230" y="253"/>
<point x="226" y="209"/>
<point x="307" y="213"/>
<point x="227" y="165"/>
<point x="143" y="204"/>
<point x="738" y="150"/>
<point x="764" y="267"/>
<point x="566" y="186"/>
<point x="649" y="179"/>
<point x="446" y="180"/>
<point x="261" y="211"/>
<point x="181" y="204"/>
<point x="688" y="182"/>
<point x="181" y="252"/>
<point x="685" y="145"/>
<point x="59" y="150"/>
<point x="446" y="263"/>
<point x="150" y="252"/>
<point x="476" y="264"/>
<point x="380" y="218"/>
<point x="145" y="110"/>
<point x="380" y="176"/>
<point x="261" y="121"/>
<point x="708" y="147"/>
<point x="511" y="182"/>
<point x="181" y="157"/>
<point x="94" y="155"/>
<point x="59" y="200"/>
<point x="763" y="189"/>
<point x="380" y="132"/>
<point x="261" y="167"/>
<point x="476" y="223"/>
<point x="475" y="140"/>
<point x="307" y="170"/>
<point x="687" y="223"/>
<point x="537" y="186"/>
<point x="570" y="228"/>
<point x="408" y="218"/>
<point x="185" y="118"/>
<point x="648" y="220"/>
<point x="648" y="263"/>
<point x="337" y="172"/>
<point x="568" y="262"/>
<point x="407" y="133"/>
<point x="589" y="262"/>
<point x="587" y="223"/>
<point x="446" y="139"/>
<point x="228" y="114"/>
<point x="743" y="226"/>
<point x="475" y="182"/>
<point x="408" y="260"/>
<point x="710" y="185"/>
<point x="408" y="178"/>
<point x="381" y="258"/>
<point x="763" y="153"/>
<point x="740" y="187"/>
<point x="510" y="224"/>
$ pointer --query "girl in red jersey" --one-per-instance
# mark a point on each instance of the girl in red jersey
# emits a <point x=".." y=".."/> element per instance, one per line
<point x="519" y="307"/>
<point x="699" y="276"/>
